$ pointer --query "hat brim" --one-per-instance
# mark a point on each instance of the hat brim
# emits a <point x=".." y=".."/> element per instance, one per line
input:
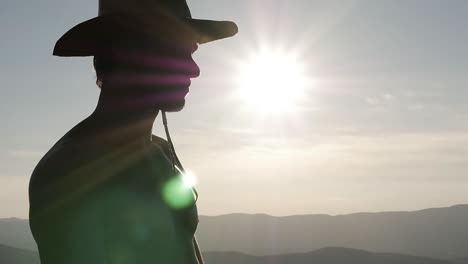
<point x="92" y="36"/>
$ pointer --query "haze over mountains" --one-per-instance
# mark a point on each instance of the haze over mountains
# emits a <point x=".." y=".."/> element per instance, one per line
<point x="10" y="255"/>
<point x="322" y="256"/>
<point x="15" y="232"/>
<point x="438" y="235"/>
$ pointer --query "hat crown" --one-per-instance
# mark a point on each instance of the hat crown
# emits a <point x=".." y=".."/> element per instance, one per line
<point x="162" y="19"/>
<point x="177" y="8"/>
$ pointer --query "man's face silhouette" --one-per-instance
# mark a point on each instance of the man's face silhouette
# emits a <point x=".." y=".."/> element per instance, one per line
<point x="151" y="73"/>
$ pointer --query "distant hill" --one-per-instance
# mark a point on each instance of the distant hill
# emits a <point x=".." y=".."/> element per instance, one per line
<point x="322" y="256"/>
<point x="460" y="261"/>
<point x="15" y="232"/>
<point x="440" y="233"/>
<point x="10" y="255"/>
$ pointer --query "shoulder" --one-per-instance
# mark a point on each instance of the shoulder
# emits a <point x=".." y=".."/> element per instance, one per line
<point x="57" y="164"/>
<point x="66" y="150"/>
<point x="46" y="183"/>
<point x="56" y="157"/>
<point x="68" y="158"/>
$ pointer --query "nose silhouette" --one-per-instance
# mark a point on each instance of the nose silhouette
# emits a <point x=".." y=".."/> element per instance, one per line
<point x="195" y="70"/>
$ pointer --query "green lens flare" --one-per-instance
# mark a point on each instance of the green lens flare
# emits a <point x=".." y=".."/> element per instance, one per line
<point x="177" y="194"/>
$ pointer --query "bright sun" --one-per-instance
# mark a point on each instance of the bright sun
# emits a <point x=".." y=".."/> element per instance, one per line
<point x="272" y="81"/>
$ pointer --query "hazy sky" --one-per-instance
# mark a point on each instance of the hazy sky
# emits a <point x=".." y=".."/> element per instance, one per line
<point x="384" y="127"/>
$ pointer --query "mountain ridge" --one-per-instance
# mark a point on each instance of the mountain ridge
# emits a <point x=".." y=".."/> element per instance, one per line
<point x="295" y="215"/>
<point x="440" y="233"/>
<point x="337" y="215"/>
<point x="12" y="255"/>
<point x="433" y="232"/>
<point x="329" y="255"/>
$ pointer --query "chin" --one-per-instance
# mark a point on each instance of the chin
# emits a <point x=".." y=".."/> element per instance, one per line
<point x="174" y="106"/>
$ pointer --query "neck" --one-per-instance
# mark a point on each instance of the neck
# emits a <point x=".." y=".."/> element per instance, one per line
<point x="124" y="119"/>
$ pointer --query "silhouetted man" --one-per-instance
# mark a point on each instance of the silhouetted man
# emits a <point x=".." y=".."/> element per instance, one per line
<point x="109" y="191"/>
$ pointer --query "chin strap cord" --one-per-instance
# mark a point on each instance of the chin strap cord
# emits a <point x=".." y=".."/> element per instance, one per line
<point x="174" y="158"/>
<point x="173" y="155"/>
<point x="177" y="164"/>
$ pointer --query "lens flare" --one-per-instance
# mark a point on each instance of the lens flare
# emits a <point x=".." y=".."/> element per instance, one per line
<point x="177" y="192"/>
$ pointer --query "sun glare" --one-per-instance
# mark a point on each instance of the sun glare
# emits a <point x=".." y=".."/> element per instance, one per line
<point x="272" y="81"/>
<point x="189" y="179"/>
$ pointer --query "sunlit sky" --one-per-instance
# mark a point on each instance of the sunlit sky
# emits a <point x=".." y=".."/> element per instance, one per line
<point x="384" y="125"/>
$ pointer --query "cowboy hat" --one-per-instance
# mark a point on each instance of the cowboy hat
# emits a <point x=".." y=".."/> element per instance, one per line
<point x="166" y="20"/>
